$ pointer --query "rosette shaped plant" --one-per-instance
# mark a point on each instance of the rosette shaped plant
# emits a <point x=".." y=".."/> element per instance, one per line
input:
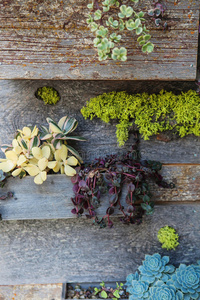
<point x="37" y="152"/>
<point x="155" y="267"/>
<point x="136" y="288"/>
<point x="187" y="279"/>
<point x="164" y="291"/>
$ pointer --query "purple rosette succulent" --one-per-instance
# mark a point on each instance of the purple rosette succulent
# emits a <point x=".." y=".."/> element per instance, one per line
<point x="187" y="279"/>
<point x="166" y="291"/>
<point x="155" y="267"/>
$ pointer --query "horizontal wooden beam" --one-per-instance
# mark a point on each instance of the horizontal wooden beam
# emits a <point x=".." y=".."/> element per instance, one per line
<point x="53" y="251"/>
<point x="20" y="107"/>
<point x="34" y="45"/>
<point x="52" y="199"/>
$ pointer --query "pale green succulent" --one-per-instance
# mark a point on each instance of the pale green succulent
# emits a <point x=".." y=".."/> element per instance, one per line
<point x="125" y="11"/>
<point x="119" y="54"/>
<point x="106" y="28"/>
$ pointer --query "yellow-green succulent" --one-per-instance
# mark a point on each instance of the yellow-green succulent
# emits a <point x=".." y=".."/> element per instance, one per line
<point x="36" y="152"/>
<point x="168" y="237"/>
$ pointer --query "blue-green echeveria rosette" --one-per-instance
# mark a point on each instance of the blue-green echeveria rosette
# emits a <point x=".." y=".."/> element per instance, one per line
<point x="136" y="288"/>
<point x="187" y="280"/>
<point x="164" y="291"/>
<point x="155" y="267"/>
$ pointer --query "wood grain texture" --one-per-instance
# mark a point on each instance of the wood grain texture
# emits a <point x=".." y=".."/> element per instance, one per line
<point x="19" y="107"/>
<point x="50" y="40"/>
<point x="74" y="251"/>
<point x="31" y="292"/>
<point x="52" y="199"/>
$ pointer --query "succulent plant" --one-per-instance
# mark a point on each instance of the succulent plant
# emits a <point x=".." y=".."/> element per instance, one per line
<point x="36" y="152"/>
<point x="138" y="290"/>
<point x="48" y="94"/>
<point x="106" y="27"/>
<point x="168" y="237"/>
<point x="187" y="280"/>
<point x="155" y="267"/>
<point x="165" y="291"/>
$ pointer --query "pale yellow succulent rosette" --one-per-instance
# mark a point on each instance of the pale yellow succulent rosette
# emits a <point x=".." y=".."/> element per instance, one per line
<point x="65" y="163"/>
<point x="37" y="161"/>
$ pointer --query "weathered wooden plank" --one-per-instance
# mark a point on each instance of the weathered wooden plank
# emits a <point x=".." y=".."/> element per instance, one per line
<point x="31" y="292"/>
<point x="50" y="40"/>
<point x="74" y="251"/>
<point x="52" y="199"/>
<point x="19" y="107"/>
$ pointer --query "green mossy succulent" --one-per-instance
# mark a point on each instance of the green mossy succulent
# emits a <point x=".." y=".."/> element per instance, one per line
<point x="168" y="237"/>
<point x="48" y="94"/>
<point x="152" y="114"/>
<point x="106" y="27"/>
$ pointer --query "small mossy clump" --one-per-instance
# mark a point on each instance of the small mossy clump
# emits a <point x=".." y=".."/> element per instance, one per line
<point x="168" y="237"/>
<point x="152" y="114"/>
<point x="48" y="94"/>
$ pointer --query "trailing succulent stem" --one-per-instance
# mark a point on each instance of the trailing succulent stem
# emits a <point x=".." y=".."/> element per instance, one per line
<point x="109" y="18"/>
<point x="152" y="114"/>
<point x="108" y="175"/>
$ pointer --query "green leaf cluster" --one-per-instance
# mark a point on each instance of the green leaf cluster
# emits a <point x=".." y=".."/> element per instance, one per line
<point x="152" y="114"/>
<point x="48" y="94"/>
<point x="106" y="28"/>
<point x="168" y="237"/>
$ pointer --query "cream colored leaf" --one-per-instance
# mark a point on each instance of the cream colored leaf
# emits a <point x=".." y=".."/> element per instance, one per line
<point x="57" y="155"/>
<point x="22" y="159"/>
<point x="38" y="179"/>
<point x="52" y="164"/>
<point x="16" y="172"/>
<point x="57" y="167"/>
<point x="43" y="175"/>
<point x="34" y="132"/>
<point x="62" y="121"/>
<point x="33" y="161"/>
<point x="7" y="166"/>
<point x="37" y="152"/>
<point x="42" y="163"/>
<point x="26" y="132"/>
<point x="11" y="155"/>
<point x="46" y="152"/>
<point x="54" y="128"/>
<point x="62" y="171"/>
<point x="15" y="143"/>
<point x="72" y="161"/>
<point x="32" y="170"/>
<point x="69" y="171"/>
<point x="63" y="152"/>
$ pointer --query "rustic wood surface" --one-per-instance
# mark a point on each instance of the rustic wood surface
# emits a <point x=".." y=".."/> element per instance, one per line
<point x="52" y="199"/>
<point x="75" y="251"/>
<point x="20" y="107"/>
<point x="31" y="292"/>
<point x="50" y="40"/>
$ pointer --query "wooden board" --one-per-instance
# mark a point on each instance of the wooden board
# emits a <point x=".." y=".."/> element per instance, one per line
<point x="50" y="40"/>
<point x="19" y="107"/>
<point x="52" y="199"/>
<point x="31" y="292"/>
<point x="54" y="251"/>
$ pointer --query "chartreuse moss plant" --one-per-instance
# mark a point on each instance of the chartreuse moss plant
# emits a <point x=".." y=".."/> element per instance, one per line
<point x="152" y="114"/>
<point x="48" y="94"/>
<point x="168" y="237"/>
<point x="37" y="151"/>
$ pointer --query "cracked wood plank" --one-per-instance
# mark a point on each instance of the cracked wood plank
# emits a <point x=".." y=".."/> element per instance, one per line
<point x="52" y="251"/>
<point x="52" y="199"/>
<point x="50" y="40"/>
